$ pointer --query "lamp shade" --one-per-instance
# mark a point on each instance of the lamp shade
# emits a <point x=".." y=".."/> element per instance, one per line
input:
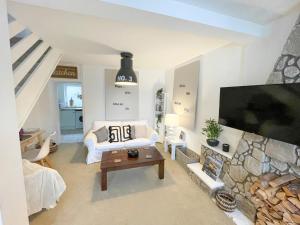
<point x="126" y="75"/>
<point x="172" y="120"/>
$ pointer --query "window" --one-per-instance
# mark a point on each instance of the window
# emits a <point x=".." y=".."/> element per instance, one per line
<point x="70" y="91"/>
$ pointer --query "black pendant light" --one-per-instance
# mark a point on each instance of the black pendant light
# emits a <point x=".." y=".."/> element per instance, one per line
<point x="126" y="75"/>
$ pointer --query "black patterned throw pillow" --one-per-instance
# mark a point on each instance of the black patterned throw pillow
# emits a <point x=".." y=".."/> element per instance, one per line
<point x="115" y="134"/>
<point x="126" y="134"/>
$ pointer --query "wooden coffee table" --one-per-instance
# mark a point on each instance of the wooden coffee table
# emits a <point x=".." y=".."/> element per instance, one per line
<point x="110" y="162"/>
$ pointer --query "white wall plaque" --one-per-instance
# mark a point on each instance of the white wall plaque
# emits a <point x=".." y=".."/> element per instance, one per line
<point x="122" y="102"/>
<point x="185" y="93"/>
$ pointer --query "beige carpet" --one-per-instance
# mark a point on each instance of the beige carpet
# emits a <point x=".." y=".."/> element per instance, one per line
<point x="134" y="197"/>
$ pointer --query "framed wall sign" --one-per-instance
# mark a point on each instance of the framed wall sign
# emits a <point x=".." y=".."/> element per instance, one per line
<point x="122" y="102"/>
<point x="185" y="93"/>
<point x="65" y="72"/>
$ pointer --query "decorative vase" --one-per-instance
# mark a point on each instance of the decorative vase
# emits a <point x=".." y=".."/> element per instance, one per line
<point x="225" y="147"/>
<point x="71" y="102"/>
<point x="212" y="142"/>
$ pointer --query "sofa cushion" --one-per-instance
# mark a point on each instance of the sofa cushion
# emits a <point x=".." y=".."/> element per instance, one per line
<point x="133" y="132"/>
<point x="106" y="146"/>
<point x="126" y="133"/>
<point x="99" y="124"/>
<point x="140" y="131"/>
<point x="139" y="142"/>
<point x="101" y="134"/>
<point x="115" y="133"/>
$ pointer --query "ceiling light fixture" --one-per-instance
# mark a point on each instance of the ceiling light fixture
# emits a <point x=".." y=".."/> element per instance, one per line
<point x="126" y="75"/>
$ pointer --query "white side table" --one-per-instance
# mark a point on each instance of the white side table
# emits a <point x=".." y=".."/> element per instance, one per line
<point x="174" y="143"/>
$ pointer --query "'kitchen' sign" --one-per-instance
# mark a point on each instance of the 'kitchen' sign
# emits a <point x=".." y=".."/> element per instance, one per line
<point x="66" y="72"/>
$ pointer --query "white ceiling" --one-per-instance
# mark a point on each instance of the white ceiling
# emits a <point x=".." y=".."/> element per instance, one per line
<point x="96" y="31"/>
<point x="92" y="40"/>
<point x="257" y="11"/>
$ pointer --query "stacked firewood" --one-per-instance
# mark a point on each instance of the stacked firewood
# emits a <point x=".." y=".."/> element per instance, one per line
<point x="277" y="199"/>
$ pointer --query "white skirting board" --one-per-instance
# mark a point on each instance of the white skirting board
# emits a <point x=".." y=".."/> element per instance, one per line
<point x="211" y="183"/>
<point x="239" y="218"/>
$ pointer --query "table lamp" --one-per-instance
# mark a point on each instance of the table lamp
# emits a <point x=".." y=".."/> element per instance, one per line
<point x="171" y="123"/>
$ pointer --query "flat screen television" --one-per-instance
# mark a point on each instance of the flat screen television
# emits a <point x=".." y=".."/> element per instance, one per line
<point x="271" y="111"/>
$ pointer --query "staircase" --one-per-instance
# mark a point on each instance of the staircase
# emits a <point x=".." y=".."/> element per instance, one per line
<point x="33" y="62"/>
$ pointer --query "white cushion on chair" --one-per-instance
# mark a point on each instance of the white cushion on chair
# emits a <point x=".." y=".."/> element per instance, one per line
<point x="31" y="154"/>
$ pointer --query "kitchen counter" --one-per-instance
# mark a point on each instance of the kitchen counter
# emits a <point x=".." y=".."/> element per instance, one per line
<point x="70" y="108"/>
<point x="70" y="118"/>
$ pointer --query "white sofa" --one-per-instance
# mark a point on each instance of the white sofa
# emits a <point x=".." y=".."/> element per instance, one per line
<point x="95" y="149"/>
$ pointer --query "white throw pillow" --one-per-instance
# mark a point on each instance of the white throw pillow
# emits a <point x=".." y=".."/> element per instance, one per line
<point x="140" y="131"/>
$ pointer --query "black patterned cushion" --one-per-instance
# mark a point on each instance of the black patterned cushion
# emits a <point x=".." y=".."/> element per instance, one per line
<point x="115" y="134"/>
<point x="126" y="133"/>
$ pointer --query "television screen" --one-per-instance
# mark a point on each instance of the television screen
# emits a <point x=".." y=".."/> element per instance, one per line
<point x="268" y="110"/>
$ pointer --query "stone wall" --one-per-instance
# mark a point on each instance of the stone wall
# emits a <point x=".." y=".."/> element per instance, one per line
<point x="256" y="155"/>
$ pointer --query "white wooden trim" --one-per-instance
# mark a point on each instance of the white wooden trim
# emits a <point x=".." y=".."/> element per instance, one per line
<point x="28" y="63"/>
<point x="212" y="184"/>
<point x="219" y="150"/>
<point x="30" y="93"/>
<point x="20" y="48"/>
<point x="15" y="28"/>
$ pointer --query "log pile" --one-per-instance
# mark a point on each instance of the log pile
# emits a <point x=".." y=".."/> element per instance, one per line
<point x="277" y="199"/>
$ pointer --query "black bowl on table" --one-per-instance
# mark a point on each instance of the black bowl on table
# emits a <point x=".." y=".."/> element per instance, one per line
<point x="133" y="153"/>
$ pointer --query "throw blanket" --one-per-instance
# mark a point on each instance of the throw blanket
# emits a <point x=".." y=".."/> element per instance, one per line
<point x="43" y="186"/>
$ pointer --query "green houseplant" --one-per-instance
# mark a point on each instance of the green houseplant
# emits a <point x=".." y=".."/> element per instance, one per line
<point x="212" y="131"/>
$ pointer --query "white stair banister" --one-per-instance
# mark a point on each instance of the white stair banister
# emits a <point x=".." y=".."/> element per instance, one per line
<point x="33" y="62"/>
<point x="15" y="28"/>
<point x="30" y="93"/>
<point x="20" y="48"/>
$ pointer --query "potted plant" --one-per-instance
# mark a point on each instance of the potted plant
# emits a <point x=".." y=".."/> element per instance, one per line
<point x="212" y="131"/>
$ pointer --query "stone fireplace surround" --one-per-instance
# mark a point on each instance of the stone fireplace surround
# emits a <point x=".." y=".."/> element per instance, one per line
<point x="256" y="155"/>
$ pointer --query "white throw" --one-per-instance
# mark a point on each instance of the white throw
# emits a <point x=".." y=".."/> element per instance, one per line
<point x="43" y="187"/>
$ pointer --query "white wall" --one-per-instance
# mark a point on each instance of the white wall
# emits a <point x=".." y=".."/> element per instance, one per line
<point x="45" y="113"/>
<point x="94" y="93"/>
<point x="150" y="81"/>
<point x="218" y="68"/>
<point x="231" y="66"/>
<point x="261" y="55"/>
<point x="12" y="189"/>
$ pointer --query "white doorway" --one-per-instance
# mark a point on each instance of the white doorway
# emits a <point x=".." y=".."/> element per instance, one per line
<point x="70" y="112"/>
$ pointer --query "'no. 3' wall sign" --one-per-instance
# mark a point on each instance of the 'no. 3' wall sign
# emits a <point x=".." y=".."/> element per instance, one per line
<point x="66" y="72"/>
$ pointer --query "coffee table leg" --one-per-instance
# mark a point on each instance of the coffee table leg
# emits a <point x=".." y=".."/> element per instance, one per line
<point x="161" y="169"/>
<point x="103" y="180"/>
